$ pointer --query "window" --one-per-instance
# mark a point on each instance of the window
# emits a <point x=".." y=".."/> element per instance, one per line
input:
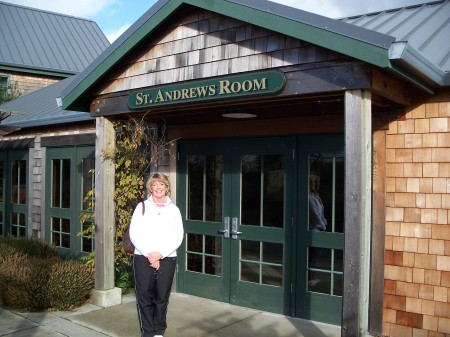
<point x="4" y="87"/>
<point x="70" y="178"/>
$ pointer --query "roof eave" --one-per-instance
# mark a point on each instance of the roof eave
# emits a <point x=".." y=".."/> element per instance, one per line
<point x="412" y="65"/>
<point x="36" y="70"/>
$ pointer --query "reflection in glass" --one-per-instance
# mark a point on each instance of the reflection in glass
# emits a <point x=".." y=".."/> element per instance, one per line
<point x="2" y="182"/>
<point x="18" y="224"/>
<point x="273" y="193"/>
<point x="61" y="183"/>
<point x="87" y="182"/>
<point x="60" y="232"/>
<point x="272" y="275"/>
<point x="325" y="270"/>
<point x="262" y="192"/>
<point x="261" y="262"/>
<point x="18" y="182"/>
<point x="326" y="192"/>
<point x="205" y="178"/>
<point x="250" y="272"/>
<point x="251" y="189"/>
<point x="272" y="252"/>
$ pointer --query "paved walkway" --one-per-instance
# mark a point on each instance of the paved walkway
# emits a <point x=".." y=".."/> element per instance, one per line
<point x="188" y="316"/>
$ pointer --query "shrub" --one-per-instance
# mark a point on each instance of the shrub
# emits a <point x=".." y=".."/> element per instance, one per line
<point x="70" y="284"/>
<point x="33" y="247"/>
<point x="40" y="282"/>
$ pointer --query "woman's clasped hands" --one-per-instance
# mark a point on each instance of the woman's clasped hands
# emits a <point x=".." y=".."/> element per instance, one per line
<point x="154" y="258"/>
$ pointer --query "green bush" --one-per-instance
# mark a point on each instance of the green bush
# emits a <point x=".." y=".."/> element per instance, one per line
<point x="70" y="284"/>
<point x="32" y="247"/>
<point x="30" y="282"/>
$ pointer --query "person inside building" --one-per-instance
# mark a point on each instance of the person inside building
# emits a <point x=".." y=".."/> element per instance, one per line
<point x="317" y="219"/>
<point x="156" y="231"/>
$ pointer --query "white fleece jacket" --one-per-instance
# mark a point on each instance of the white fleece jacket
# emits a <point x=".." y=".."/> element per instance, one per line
<point x="160" y="229"/>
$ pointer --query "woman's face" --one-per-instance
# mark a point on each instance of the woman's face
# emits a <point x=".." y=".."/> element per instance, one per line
<point x="158" y="190"/>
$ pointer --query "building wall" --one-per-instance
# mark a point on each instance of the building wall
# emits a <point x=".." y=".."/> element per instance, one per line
<point x="417" y="256"/>
<point x="27" y="83"/>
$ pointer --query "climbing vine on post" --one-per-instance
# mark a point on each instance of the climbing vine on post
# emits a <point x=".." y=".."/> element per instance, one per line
<point x="139" y="145"/>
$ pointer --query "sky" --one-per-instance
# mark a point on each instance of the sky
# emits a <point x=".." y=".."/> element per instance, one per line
<point x="115" y="16"/>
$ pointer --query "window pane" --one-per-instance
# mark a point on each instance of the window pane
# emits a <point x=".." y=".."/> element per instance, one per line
<point x="56" y="183"/>
<point x="194" y="262"/>
<point x="251" y="189"/>
<point x="272" y="275"/>
<point x="272" y="252"/>
<point x="273" y="194"/>
<point x="195" y="187"/>
<point x="213" y="195"/>
<point x="213" y="265"/>
<point x="194" y="243"/>
<point x="250" y="250"/>
<point x="250" y="272"/>
<point x="2" y="181"/>
<point x="65" y="183"/>
<point x="18" y="182"/>
<point x="213" y="245"/>
<point x="88" y="165"/>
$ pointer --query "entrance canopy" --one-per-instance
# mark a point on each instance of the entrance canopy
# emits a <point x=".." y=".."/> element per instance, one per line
<point x="378" y="49"/>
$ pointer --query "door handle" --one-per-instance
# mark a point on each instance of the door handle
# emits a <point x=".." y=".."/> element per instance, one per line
<point x="226" y="227"/>
<point x="234" y="228"/>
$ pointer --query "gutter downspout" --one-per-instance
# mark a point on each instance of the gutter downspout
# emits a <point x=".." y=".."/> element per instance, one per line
<point x="410" y="64"/>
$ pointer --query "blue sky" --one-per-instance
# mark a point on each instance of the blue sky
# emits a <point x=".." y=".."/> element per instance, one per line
<point x="115" y="16"/>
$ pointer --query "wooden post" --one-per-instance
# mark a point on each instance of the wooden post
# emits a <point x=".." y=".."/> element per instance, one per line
<point x="358" y="191"/>
<point x="378" y="234"/>
<point x="104" y="294"/>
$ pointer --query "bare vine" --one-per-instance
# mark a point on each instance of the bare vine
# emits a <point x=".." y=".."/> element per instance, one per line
<point x="139" y="145"/>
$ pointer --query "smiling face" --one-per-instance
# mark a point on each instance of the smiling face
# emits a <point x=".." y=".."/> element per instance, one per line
<point x="158" y="187"/>
<point x="158" y="190"/>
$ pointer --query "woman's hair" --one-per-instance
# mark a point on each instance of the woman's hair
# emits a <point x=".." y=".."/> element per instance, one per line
<point x="158" y="177"/>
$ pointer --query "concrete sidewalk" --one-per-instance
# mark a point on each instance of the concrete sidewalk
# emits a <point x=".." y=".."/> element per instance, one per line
<point x="188" y="316"/>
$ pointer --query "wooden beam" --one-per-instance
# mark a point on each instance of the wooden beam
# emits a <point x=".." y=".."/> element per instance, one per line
<point x="303" y="125"/>
<point x="358" y="170"/>
<point x="390" y="87"/>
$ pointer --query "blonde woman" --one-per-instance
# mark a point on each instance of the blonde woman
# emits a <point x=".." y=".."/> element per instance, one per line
<point x="156" y="231"/>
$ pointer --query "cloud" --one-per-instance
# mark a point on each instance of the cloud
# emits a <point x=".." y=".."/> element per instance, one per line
<point x="112" y="36"/>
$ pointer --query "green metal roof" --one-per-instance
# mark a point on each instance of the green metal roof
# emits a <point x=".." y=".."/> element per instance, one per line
<point x="364" y="44"/>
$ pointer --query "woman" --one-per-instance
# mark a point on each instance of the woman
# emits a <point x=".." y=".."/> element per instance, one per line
<point x="156" y="231"/>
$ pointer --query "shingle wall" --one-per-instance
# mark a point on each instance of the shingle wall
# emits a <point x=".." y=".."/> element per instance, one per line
<point x="417" y="259"/>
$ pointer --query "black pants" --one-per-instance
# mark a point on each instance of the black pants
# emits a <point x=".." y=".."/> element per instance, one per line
<point x="152" y="293"/>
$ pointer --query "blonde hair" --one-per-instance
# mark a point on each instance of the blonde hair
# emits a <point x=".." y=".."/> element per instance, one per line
<point x="158" y="177"/>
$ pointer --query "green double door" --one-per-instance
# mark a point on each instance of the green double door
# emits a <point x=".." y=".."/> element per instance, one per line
<point x="247" y="235"/>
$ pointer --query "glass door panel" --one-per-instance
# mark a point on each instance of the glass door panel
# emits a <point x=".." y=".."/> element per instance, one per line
<point x="233" y="196"/>
<point x="321" y="228"/>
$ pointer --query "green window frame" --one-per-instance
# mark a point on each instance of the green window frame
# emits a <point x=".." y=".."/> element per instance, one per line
<point x="69" y="177"/>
